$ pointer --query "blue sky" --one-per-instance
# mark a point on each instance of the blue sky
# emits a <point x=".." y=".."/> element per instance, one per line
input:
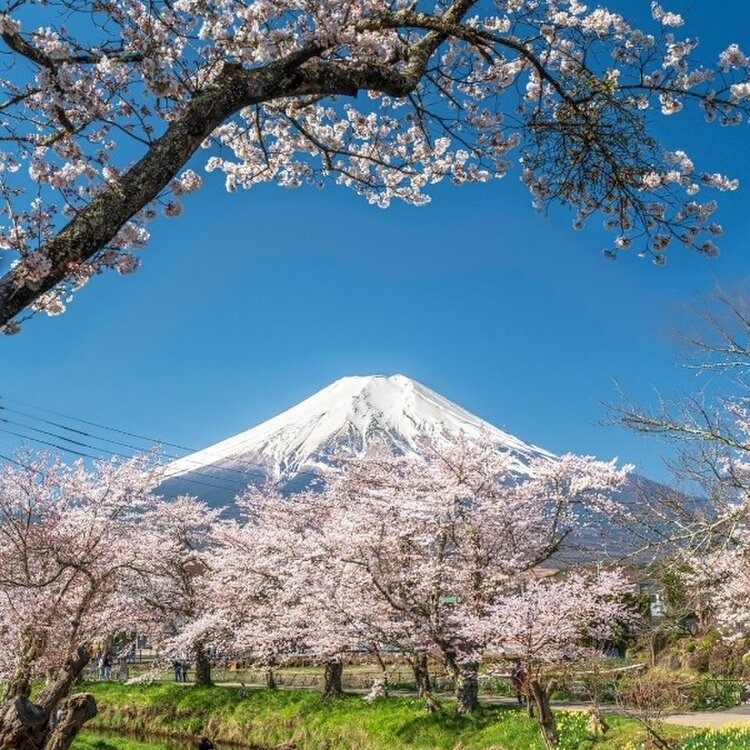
<point x="250" y="302"/>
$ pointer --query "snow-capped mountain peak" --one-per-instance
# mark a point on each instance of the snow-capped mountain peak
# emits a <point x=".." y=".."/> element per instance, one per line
<point x="350" y="414"/>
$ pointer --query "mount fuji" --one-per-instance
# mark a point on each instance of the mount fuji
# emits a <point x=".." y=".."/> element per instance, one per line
<point x="349" y="415"/>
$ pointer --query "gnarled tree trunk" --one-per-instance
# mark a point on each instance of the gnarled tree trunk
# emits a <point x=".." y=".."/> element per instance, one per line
<point x="546" y="717"/>
<point x="202" y="666"/>
<point x="78" y="709"/>
<point x="422" y="681"/>
<point x="466" y="676"/>
<point x="332" y="678"/>
<point x="51" y="721"/>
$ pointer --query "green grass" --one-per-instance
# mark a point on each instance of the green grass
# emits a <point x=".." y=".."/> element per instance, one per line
<point x="92" y="741"/>
<point x="269" y="718"/>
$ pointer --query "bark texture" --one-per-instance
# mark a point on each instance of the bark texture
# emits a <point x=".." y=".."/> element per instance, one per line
<point x="467" y="687"/>
<point x="332" y="678"/>
<point x="422" y="681"/>
<point x="50" y="722"/>
<point x="546" y="717"/>
<point x="202" y="666"/>
<point x="25" y="726"/>
<point x="77" y="710"/>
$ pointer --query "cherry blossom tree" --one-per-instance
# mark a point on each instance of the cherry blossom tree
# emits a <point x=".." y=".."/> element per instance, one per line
<point x="105" y="107"/>
<point x="171" y="585"/>
<point x="277" y="594"/>
<point x="395" y="554"/>
<point x="69" y="537"/>
<point x="432" y="545"/>
<point x="258" y="562"/>
<point x="550" y="624"/>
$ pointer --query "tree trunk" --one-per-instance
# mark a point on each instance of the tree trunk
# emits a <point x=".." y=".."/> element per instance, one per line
<point x="202" y="666"/>
<point x="270" y="679"/>
<point x="333" y="672"/>
<point x="421" y="674"/>
<point x="467" y="687"/>
<point x="51" y="722"/>
<point x="596" y="724"/>
<point x="77" y="710"/>
<point x="546" y="717"/>
<point x="422" y="681"/>
<point x="19" y="684"/>
<point x="24" y="726"/>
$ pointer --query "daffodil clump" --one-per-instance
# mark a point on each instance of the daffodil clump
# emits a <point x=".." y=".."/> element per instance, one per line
<point x="728" y="738"/>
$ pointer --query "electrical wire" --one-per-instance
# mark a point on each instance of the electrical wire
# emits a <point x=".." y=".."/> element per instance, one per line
<point x="151" y="441"/>
<point x="63" y="443"/>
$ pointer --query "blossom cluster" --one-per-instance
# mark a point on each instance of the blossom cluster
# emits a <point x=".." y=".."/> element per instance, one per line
<point x="413" y="556"/>
<point x="79" y="110"/>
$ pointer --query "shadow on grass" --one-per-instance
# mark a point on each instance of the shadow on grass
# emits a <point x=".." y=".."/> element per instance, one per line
<point x="448" y="722"/>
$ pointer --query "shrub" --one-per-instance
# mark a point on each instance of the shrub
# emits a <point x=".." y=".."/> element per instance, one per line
<point x="709" y="693"/>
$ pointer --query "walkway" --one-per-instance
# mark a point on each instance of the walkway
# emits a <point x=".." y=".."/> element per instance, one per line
<point x="713" y="719"/>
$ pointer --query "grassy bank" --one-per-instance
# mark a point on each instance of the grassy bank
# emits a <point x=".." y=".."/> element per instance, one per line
<point x="93" y="741"/>
<point x="271" y="718"/>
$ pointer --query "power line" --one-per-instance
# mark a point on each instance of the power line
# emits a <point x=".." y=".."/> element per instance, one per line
<point x="150" y="440"/>
<point x="16" y="462"/>
<point x="48" y="443"/>
<point x="69" y="429"/>
<point x="84" y="433"/>
<point x="82" y="444"/>
<point x="101" y="426"/>
<point x="230" y="485"/>
<point x="191" y="479"/>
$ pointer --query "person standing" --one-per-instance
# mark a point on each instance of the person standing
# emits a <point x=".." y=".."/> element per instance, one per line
<point x="105" y="666"/>
<point x="518" y="678"/>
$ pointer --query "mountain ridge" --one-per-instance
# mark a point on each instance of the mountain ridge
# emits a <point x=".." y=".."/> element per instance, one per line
<point x="348" y="415"/>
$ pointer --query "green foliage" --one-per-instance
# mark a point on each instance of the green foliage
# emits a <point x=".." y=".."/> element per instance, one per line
<point x="87" y="741"/>
<point x="498" y="686"/>
<point x="709" y="653"/>
<point x="673" y="591"/>
<point x="732" y="738"/>
<point x="707" y="693"/>
<point x="726" y="659"/>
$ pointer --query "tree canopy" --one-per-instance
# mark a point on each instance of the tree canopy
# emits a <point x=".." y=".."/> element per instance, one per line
<point x="104" y="106"/>
<point x="393" y="556"/>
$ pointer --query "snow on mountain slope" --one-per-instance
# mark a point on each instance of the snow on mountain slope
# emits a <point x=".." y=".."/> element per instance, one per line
<point x="350" y="414"/>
